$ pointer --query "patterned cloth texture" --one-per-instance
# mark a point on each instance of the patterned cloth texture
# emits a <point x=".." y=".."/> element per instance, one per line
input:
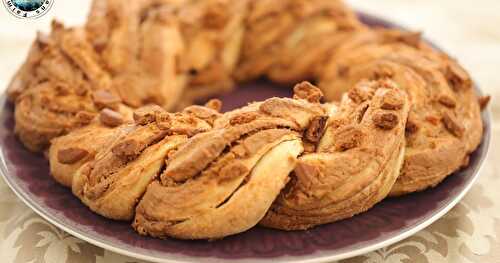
<point x="470" y="232"/>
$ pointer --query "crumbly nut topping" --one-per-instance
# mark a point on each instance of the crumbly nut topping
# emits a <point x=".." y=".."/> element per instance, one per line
<point x="84" y="117"/>
<point x="411" y="125"/>
<point x="316" y="129"/>
<point x="164" y="120"/>
<point x="209" y="113"/>
<point x="457" y="76"/>
<point x="243" y="118"/>
<point x="385" y="120"/>
<point x="447" y="101"/>
<point x="307" y="91"/>
<point x="147" y="114"/>
<point x="111" y="118"/>
<point x="127" y="149"/>
<point x="105" y="99"/>
<point x="392" y="100"/>
<point x="71" y="155"/>
<point x="347" y="137"/>
<point x="452" y="125"/>
<point x="361" y="92"/>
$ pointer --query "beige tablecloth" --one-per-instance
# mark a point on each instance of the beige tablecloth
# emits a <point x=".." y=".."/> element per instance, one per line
<point x="470" y="30"/>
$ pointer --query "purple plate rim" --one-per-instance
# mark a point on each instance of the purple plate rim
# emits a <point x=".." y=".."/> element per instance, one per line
<point x="175" y="258"/>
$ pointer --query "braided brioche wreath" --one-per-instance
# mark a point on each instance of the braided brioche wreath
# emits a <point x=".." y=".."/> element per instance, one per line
<point x="109" y="102"/>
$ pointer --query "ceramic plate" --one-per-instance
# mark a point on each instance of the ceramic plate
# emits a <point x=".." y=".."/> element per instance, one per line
<point x="388" y="222"/>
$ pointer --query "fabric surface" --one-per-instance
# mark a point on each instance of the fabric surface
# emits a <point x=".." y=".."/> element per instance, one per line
<point x="469" y="233"/>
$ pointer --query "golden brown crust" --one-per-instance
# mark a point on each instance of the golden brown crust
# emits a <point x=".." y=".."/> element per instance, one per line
<point x="23" y="77"/>
<point x="71" y="155"/>
<point x="214" y="174"/>
<point x="286" y="40"/>
<point x="193" y="210"/>
<point x="90" y="139"/>
<point x="111" y="118"/>
<point x="115" y="179"/>
<point x="55" y="86"/>
<point x="354" y="167"/>
<point x="345" y="156"/>
<point x="140" y="46"/>
<point x="213" y="31"/>
<point x="170" y="44"/>
<point x="444" y="124"/>
<point x="69" y="152"/>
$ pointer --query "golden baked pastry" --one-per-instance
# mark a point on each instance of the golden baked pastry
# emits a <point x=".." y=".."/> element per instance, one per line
<point x="408" y="116"/>
<point x="213" y="31"/>
<point x="286" y="40"/>
<point x="223" y="181"/>
<point x="355" y="163"/>
<point x="113" y="182"/>
<point x="444" y="125"/>
<point x="141" y="48"/>
<point x="70" y="152"/>
<point x="363" y="45"/>
<point x="154" y="48"/>
<point x="60" y="87"/>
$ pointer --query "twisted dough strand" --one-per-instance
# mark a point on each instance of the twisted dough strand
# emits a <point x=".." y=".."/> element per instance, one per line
<point x="355" y="164"/>
<point x="223" y="181"/>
